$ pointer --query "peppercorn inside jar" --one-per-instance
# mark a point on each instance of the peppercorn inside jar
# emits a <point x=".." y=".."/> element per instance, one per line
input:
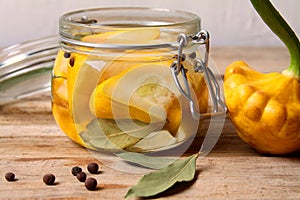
<point x="125" y="78"/>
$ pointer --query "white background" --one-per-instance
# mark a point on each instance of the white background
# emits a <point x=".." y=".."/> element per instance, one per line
<point x="230" y="22"/>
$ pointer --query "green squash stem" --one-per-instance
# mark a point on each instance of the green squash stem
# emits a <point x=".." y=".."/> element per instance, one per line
<point x="280" y="27"/>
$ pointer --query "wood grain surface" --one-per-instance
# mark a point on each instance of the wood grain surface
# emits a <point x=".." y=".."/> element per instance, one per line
<point x="33" y="145"/>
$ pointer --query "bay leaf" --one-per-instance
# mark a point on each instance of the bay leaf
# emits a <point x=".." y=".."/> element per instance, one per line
<point x="106" y="134"/>
<point x="155" y="141"/>
<point x="152" y="162"/>
<point x="160" y="180"/>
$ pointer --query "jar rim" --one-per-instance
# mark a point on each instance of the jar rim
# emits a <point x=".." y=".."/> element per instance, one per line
<point x="186" y="17"/>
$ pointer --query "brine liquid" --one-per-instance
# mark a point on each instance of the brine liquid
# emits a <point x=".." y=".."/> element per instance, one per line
<point x="124" y="100"/>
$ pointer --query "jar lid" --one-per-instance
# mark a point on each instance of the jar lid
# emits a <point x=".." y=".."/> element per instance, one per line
<point x="25" y="68"/>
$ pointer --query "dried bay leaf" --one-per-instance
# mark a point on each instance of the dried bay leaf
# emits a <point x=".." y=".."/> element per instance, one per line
<point x="160" y="180"/>
<point x="151" y="162"/>
<point x="155" y="141"/>
<point x="106" y="134"/>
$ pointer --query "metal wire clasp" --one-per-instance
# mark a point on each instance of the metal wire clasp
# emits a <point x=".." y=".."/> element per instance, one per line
<point x="200" y="66"/>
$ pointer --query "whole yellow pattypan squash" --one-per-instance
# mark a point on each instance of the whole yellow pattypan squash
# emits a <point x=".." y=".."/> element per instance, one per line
<point x="265" y="108"/>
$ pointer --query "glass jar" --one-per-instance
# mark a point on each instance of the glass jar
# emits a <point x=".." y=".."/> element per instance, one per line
<point x="133" y="79"/>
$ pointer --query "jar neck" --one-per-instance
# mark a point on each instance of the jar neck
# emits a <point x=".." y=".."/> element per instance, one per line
<point x="164" y="25"/>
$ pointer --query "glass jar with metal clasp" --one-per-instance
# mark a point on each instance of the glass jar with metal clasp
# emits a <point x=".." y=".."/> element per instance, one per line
<point x="133" y="79"/>
<point x="125" y="79"/>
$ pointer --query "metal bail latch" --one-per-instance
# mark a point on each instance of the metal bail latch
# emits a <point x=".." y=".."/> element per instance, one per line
<point x="200" y="66"/>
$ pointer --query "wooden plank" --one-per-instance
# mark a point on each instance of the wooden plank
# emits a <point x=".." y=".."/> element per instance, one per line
<point x="31" y="145"/>
<point x="264" y="59"/>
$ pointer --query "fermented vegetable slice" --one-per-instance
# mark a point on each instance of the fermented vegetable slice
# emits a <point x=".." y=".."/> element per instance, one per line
<point x="148" y="90"/>
<point x="130" y="36"/>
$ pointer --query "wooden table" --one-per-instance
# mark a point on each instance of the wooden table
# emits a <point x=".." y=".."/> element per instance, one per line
<point x="33" y="145"/>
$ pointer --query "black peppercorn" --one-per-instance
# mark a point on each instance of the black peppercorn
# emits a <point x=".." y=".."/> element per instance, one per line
<point x="193" y="55"/>
<point x="81" y="176"/>
<point x="90" y="184"/>
<point x="10" y="176"/>
<point x="183" y="57"/>
<point x="72" y="62"/>
<point x="93" y="168"/>
<point x="67" y="55"/>
<point x="49" y="179"/>
<point x="76" y="170"/>
<point x="91" y="21"/>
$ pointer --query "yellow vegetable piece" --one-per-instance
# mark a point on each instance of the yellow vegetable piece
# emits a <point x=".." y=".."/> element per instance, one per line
<point x="64" y="119"/>
<point x="144" y="92"/>
<point x="59" y="80"/>
<point x="265" y="108"/>
<point x="70" y="94"/>
<point x="86" y="79"/>
<point x="60" y="92"/>
<point x="129" y="58"/>
<point x="130" y="36"/>
<point x="198" y="84"/>
<point x="60" y="65"/>
<point x="133" y="58"/>
<point x="101" y="106"/>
